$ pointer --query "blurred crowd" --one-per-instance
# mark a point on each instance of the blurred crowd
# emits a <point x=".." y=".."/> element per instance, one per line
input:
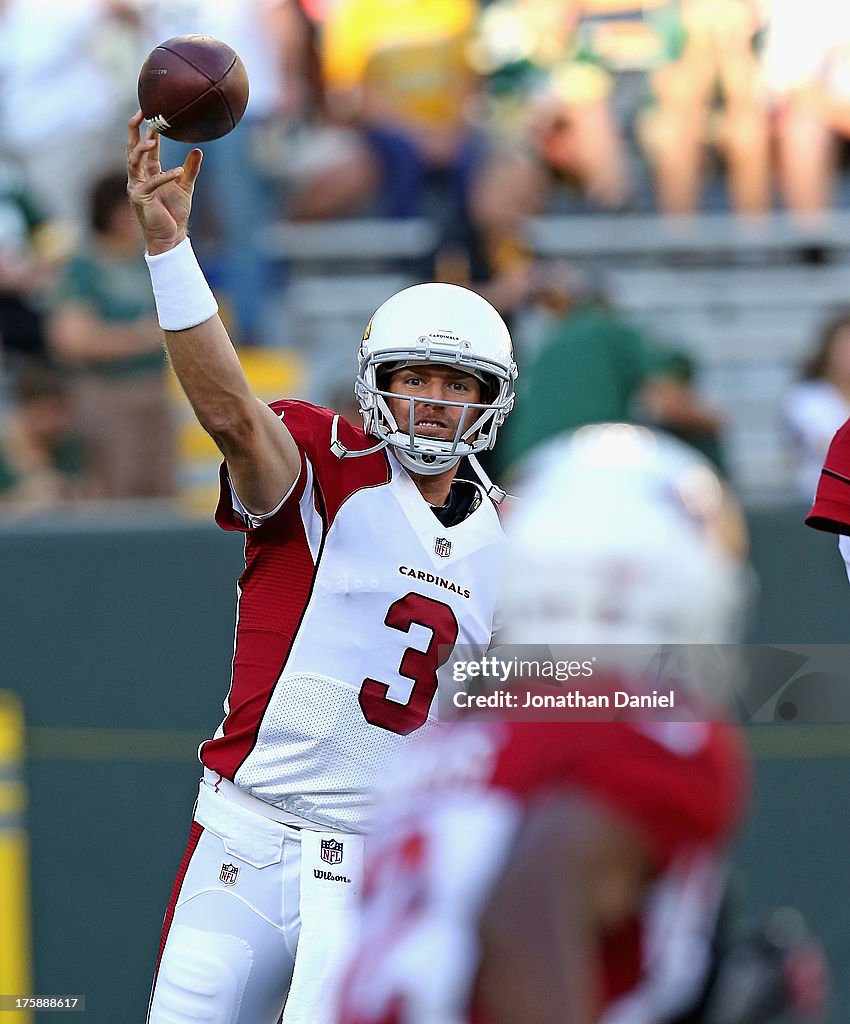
<point x="476" y="115"/>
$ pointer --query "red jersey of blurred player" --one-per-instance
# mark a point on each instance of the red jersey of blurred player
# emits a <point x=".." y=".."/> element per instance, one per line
<point x="831" y="508"/>
<point x="529" y="871"/>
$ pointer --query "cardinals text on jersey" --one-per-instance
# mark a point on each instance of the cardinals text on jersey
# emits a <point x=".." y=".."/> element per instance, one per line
<point x="352" y="595"/>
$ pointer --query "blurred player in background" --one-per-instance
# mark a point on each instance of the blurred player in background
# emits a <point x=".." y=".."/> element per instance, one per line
<point x="573" y="872"/>
<point x="830" y="511"/>
<point x="367" y="560"/>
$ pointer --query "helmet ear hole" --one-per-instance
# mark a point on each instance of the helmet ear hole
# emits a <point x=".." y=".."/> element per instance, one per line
<point x="489" y="389"/>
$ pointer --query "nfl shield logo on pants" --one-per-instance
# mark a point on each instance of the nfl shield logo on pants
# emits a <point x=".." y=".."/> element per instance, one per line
<point x="331" y="851"/>
<point x="443" y="547"/>
<point x="228" y="873"/>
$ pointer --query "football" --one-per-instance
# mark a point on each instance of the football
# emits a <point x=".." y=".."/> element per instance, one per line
<point x="193" y="89"/>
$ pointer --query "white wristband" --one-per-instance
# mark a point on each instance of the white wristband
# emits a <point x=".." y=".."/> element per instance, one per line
<point x="183" y="297"/>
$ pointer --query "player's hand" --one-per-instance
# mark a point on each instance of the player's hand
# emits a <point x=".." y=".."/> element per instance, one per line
<point x="161" y="199"/>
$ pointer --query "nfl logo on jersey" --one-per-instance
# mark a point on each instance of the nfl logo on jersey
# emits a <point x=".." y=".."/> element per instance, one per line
<point x="331" y="851"/>
<point x="443" y="547"/>
<point x="228" y="873"/>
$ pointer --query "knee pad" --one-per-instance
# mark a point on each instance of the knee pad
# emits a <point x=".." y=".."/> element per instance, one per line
<point x="202" y="977"/>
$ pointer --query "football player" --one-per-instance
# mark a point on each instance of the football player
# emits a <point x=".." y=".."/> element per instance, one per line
<point x="831" y="508"/>
<point x="573" y="872"/>
<point x="366" y="561"/>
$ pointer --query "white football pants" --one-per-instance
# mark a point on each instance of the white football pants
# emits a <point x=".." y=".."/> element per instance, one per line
<point x="235" y="917"/>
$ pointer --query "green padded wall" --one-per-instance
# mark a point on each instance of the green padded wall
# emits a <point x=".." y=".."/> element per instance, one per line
<point x="118" y="641"/>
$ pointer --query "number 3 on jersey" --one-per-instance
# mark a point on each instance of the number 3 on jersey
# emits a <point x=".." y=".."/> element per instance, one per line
<point x="420" y="666"/>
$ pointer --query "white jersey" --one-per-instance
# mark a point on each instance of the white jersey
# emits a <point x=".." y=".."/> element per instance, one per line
<point x="354" y="595"/>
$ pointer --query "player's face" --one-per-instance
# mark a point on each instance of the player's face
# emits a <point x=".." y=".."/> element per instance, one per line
<point x="440" y="383"/>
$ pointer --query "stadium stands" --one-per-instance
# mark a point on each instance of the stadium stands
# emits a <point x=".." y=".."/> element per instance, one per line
<point x="743" y="296"/>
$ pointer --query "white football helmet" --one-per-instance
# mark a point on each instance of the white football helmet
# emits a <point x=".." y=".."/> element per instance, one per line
<point x="435" y="323"/>
<point x="624" y="536"/>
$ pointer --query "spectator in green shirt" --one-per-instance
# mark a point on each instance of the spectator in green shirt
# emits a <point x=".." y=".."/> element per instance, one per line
<point x="32" y="248"/>
<point x="593" y="367"/>
<point x="103" y="328"/>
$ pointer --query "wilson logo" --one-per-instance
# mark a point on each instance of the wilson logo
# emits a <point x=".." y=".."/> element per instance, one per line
<point x="329" y="876"/>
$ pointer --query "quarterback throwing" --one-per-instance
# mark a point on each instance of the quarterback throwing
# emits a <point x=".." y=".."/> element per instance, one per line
<point x="366" y="562"/>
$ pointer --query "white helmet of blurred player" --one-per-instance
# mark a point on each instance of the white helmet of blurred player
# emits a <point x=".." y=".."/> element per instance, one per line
<point x="624" y="536"/>
<point x="448" y="325"/>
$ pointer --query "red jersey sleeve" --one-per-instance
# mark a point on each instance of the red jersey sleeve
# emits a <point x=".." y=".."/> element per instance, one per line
<point x="680" y="784"/>
<point x="334" y="479"/>
<point x="831" y="508"/>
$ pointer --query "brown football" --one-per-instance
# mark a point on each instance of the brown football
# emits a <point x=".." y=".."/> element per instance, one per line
<point x="193" y="88"/>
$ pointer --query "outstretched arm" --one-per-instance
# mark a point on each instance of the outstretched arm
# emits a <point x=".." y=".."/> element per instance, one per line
<point x="262" y="458"/>
<point x="576" y="870"/>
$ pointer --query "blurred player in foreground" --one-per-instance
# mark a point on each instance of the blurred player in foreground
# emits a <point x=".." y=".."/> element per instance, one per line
<point x="573" y="872"/>
<point x="367" y="561"/>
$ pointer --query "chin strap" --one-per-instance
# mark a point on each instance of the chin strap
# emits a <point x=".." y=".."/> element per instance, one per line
<point x="341" y="452"/>
<point x="493" y="492"/>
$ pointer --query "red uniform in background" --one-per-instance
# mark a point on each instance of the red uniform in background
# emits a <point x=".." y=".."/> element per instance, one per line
<point x="831" y="508"/>
<point x="453" y="819"/>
